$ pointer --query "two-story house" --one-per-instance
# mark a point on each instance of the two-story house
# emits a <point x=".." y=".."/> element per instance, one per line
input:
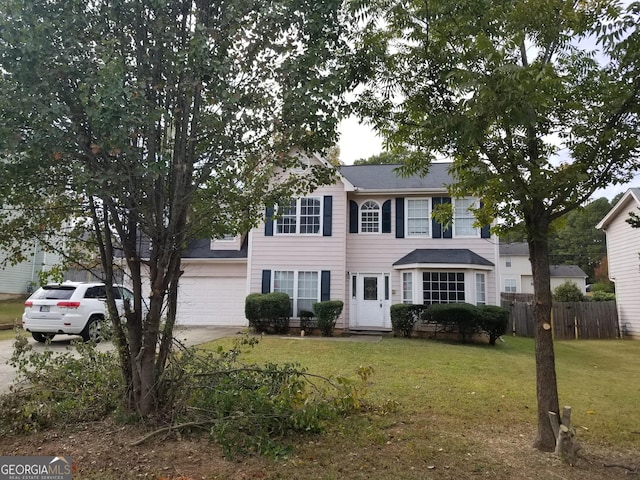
<point x="516" y="275"/>
<point x="368" y="240"/>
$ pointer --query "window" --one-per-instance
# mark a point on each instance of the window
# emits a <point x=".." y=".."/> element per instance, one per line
<point x="507" y="261"/>
<point x="510" y="285"/>
<point x="442" y="287"/>
<point x="407" y="287"/>
<point x="481" y="291"/>
<point x="463" y="218"/>
<point x="370" y="217"/>
<point x="302" y="216"/>
<point x="418" y="217"/>
<point x="302" y="287"/>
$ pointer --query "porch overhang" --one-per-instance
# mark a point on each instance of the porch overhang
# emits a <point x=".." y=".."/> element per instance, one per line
<point x="440" y="258"/>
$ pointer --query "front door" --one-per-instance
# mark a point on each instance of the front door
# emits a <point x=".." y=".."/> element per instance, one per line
<point x="372" y="301"/>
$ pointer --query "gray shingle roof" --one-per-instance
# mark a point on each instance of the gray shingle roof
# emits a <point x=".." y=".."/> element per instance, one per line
<point x="566" y="271"/>
<point x="460" y="256"/>
<point x="385" y="177"/>
<point x="516" y="248"/>
<point x="202" y="249"/>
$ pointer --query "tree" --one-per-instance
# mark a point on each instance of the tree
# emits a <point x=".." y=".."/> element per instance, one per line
<point x="381" y="159"/>
<point x="150" y="123"/>
<point x="532" y="119"/>
<point x="575" y="240"/>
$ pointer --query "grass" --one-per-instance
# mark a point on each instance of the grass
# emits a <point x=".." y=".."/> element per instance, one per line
<point x="478" y="387"/>
<point x="470" y="404"/>
<point x="10" y="313"/>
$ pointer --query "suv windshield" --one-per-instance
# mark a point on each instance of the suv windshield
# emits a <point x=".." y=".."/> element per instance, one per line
<point x="54" y="292"/>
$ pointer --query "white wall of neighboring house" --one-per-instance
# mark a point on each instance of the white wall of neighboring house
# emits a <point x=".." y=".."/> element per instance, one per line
<point x="21" y="278"/>
<point x="623" y="254"/>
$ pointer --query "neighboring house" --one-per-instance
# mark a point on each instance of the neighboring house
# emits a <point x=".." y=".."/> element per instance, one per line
<point x="22" y="278"/>
<point x="367" y="240"/>
<point x="623" y="255"/>
<point x="516" y="275"/>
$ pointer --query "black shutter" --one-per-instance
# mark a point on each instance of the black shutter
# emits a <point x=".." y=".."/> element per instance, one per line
<point x="268" y="222"/>
<point x="448" y="232"/>
<point x="386" y="217"/>
<point x="326" y="215"/>
<point x="485" y="232"/>
<point x="266" y="281"/>
<point x="436" y="228"/>
<point x="325" y="285"/>
<point x="400" y="217"/>
<point x="437" y="231"/>
<point x="353" y="217"/>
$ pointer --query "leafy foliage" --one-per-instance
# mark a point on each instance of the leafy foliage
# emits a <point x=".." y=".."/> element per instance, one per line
<point x="534" y="123"/>
<point x="568" y="292"/>
<point x="52" y="389"/>
<point x="327" y="313"/>
<point x="268" y="312"/>
<point x="404" y="317"/>
<point x="149" y="124"/>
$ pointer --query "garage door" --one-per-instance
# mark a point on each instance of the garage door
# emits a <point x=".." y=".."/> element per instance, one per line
<point x="211" y="301"/>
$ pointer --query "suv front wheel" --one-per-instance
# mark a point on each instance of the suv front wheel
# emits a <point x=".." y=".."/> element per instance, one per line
<point x="91" y="331"/>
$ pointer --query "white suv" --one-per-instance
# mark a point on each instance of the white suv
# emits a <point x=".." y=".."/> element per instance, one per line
<point x="70" y="308"/>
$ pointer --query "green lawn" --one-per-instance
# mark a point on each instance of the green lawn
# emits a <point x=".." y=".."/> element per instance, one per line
<point x="475" y="386"/>
<point x="10" y="313"/>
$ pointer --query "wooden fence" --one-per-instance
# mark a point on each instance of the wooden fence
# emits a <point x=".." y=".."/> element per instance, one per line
<point x="569" y="320"/>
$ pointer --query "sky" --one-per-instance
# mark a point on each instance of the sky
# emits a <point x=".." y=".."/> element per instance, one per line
<point x="360" y="141"/>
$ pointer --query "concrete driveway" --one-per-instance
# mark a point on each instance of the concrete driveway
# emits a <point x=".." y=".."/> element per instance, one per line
<point x="192" y="335"/>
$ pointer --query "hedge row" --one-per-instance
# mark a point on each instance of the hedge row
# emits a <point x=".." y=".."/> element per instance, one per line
<point x="270" y="312"/>
<point x="462" y="318"/>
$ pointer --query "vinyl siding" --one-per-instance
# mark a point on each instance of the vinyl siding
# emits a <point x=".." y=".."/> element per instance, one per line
<point x="623" y="246"/>
<point x="15" y="279"/>
<point x="305" y="252"/>
<point x="377" y="252"/>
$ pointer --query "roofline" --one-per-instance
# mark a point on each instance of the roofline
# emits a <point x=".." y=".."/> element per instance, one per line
<point x="214" y="260"/>
<point x="464" y="266"/>
<point x="388" y="191"/>
<point x="604" y="223"/>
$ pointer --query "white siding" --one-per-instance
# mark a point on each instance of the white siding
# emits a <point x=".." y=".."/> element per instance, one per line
<point x="16" y="279"/>
<point x="623" y="247"/>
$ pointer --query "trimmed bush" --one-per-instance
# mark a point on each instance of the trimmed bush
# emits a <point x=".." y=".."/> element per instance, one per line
<point x="453" y="317"/>
<point x="404" y="317"/>
<point x="600" y="296"/>
<point x="327" y="313"/>
<point x="493" y="321"/>
<point x="268" y="312"/>
<point x="568" y="292"/>
<point x="306" y="319"/>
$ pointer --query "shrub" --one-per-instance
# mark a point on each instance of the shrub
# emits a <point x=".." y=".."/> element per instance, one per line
<point x="327" y="313"/>
<point x="600" y="296"/>
<point x="269" y="311"/>
<point x="493" y="321"/>
<point x="404" y="317"/>
<point x="306" y="319"/>
<point x="568" y="292"/>
<point x="453" y="317"/>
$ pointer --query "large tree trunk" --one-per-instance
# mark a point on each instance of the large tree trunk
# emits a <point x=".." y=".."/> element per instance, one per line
<point x="546" y="383"/>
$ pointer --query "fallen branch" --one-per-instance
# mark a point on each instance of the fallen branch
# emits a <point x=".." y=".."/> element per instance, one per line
<point x="629" y="470"/>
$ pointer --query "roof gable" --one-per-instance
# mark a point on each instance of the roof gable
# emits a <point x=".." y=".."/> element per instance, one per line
<point x="629" y="201"/>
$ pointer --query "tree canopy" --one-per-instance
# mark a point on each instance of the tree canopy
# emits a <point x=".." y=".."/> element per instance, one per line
<point x="535" y="101"/>
<point x="134" y="126"/>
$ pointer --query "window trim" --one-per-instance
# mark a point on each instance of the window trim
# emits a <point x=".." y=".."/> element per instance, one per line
<point x="408" y="233"/>
<point x="407" y="287"/>
<point x="482" y="290"/>
<point x="474" y="204"/>
<point x="299" y="216"/>
<point x="515" y="285"/>
<point x="361" y="210"/>
<point x="296" y="277"/>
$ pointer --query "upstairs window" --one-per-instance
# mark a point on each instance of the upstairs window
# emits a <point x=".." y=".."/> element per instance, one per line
<point x="418" y="217"/>
<point x="302" y="216"/>
<point x="463" y="218"/>
<point x="370" y="217"/>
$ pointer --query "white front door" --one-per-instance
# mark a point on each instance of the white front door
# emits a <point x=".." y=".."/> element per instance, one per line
<point x="372" y="301"/>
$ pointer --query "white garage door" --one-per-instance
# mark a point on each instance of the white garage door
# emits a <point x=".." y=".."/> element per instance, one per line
<point x="211" y="301"/>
